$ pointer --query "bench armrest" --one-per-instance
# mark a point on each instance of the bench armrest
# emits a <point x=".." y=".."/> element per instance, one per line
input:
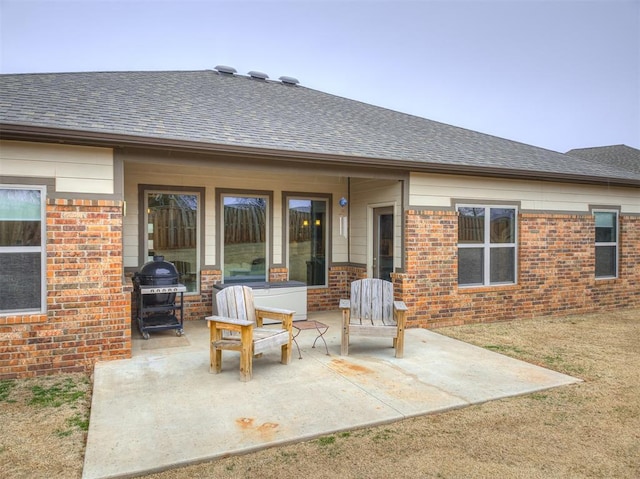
<point x="284" y="316"/>
<point x="400" y="306"/>
<point x="230" y="321"/>
<point x="269" y="310"/>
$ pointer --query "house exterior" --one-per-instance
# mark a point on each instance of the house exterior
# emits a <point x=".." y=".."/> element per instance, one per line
<point x="239" y="178"/>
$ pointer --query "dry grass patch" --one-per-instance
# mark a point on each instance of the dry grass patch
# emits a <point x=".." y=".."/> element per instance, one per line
<point x="585" y="430"/>
<point x="43" y="426"/>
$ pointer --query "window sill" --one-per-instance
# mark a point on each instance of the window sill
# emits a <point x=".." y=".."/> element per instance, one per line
<point x="487" y="289"/>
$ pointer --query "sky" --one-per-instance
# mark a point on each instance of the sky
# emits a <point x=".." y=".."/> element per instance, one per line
<point x="558" y="74"/>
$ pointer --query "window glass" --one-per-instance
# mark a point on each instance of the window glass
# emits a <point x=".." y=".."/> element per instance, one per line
<point x="471" y="225"/>
<point x="471" y="266"/>
<point x="606" y="244"/>
<point x="605" y="261"/>
<point x="384" y="245"/>
<point x="605" y="227"/>
<point x="20" y="217"/>
<point x="502" y="265"/>
<point x="20" y="204"/>
<point x="307" y="241"/>
<point x="245" y="239"/>
<point x="22" y="250"/>
<point x="486" y="245"/>
<point x="502" y="225"/>
<point x="20" y="281"/>
<point x="172" y="232"/>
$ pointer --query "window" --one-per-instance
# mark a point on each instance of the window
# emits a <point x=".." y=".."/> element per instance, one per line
<point x="606" y="242"/>
<point x="486" y="245"/>
<point x="22" y="249"/>
<point x="172" y="219"/>
<point x="307" y="240"/>
<point x="245" y="238"/>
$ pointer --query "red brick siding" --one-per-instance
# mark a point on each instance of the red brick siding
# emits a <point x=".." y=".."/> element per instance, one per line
<point x="278" y="274"/>
<point x="340" y="278"/>
<point x="556" y="271"/>
<point x="88" y="307"/>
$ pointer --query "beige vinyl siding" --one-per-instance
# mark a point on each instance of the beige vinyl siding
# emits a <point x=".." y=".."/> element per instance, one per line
<point x="437" y="191"/>
<point x="76" y="169"/>
<point x="212" y="177"/>
<point x="367" y="194"/>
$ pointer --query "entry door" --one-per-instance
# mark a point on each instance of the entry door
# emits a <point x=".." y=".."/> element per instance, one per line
<point x="383" y="242"/>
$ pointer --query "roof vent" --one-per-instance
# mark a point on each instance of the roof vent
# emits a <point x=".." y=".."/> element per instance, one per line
<point x="226" y="69"/>
<point x="258" y="75"/>
<point x="289" y="80"/>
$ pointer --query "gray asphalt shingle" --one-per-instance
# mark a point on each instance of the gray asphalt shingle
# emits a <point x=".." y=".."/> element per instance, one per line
<point x="621" y="156"/>
<point x="220" y="109"/>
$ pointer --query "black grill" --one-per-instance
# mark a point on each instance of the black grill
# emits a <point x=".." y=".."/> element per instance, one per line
<point x="156" y="287"/>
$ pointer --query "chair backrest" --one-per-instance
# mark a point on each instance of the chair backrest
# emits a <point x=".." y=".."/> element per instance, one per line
<point x="236" y="302"/>
<point x="372" y="298"/>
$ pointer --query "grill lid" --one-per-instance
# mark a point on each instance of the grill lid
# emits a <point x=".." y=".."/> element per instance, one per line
<point x="157" y="269"/>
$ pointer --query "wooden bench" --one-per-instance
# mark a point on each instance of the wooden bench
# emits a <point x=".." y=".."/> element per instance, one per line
<point x="372" y="311"/>
<point x="239" y="326"/>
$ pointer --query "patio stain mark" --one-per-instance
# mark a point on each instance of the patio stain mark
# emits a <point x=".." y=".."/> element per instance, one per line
<point x="404" y="386"/>
<point x="265" y="430"/>
<point x="245" y="422"/>
<point x="349" y="369"/>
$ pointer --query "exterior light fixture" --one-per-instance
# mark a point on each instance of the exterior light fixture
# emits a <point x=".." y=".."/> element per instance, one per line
<point x="343" y="219"/>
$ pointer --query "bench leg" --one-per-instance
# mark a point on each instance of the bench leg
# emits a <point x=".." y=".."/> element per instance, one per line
<point x="399" y="340"/>
<point x="216" y="360"/>
<point x="399" y="345"/>
<point x="285" y="355"/>
<point x="215" y="354"/>
<point x="246" y="354"/>
<point x="344" y="343"/>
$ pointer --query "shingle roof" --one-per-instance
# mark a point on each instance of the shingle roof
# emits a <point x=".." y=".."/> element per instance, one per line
<point x="213" y="109"/>
<point x="621" y="156"/>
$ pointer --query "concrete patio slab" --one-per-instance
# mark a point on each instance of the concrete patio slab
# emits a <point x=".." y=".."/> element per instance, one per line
<point x="163" y="409"/>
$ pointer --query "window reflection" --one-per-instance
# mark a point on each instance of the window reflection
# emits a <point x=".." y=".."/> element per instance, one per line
<point x="245" y="232"/>
<point x="307" y="241"/>
<point x="172" y="232"/>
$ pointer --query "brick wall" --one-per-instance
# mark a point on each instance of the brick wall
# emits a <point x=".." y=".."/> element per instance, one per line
<point x="340" y="278"/>
<point x="88" y="306"/>
<point x="556" y="271"/>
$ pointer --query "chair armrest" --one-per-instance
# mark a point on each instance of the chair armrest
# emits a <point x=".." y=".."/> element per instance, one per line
<point x="345" y="304"/>
<point x="270" y="310"/>
<point x="400" y="306"/>
<point x="284" y="316"/>
<point x="230" y="321"/>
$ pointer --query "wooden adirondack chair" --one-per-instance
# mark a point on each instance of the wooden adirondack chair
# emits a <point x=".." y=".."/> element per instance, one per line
<point x="371" y="311"/>
<point x="238" y="326"/>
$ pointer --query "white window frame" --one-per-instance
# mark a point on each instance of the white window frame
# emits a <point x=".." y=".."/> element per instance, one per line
<point x="32" y="249"/>
<point x="487" y="246"/>
<point x="615" y="243"/>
